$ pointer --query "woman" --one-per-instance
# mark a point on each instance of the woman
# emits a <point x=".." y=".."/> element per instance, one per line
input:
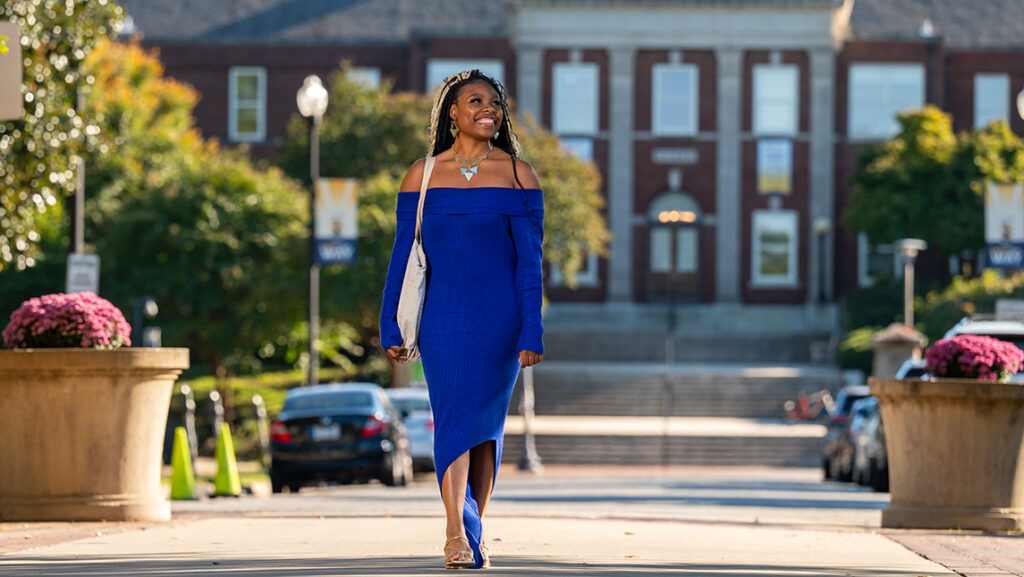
<point x="482" y="230"/>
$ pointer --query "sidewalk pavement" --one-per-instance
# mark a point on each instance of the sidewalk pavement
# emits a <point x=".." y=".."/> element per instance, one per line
<point x="345" y="531"/>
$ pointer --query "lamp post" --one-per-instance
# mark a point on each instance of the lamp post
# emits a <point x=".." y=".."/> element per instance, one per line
<point x="822" y="226"/>
<point x="312" y="102"/>
<point x="909" y="248"/>
<point x="674" y="220"/>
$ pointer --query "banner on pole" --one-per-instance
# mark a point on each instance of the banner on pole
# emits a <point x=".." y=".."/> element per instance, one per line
<point x="1004" y="225"/>
<point x="337" y="223"/>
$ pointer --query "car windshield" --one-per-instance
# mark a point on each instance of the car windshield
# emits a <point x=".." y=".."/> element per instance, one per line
<point x="331" y="400"/>
<point x="411" y="405"/>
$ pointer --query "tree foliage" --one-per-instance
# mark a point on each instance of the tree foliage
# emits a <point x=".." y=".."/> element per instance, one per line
<point x="216" y="241"/>
<point x="36" y="167"/>
<point x="927" y="182"/>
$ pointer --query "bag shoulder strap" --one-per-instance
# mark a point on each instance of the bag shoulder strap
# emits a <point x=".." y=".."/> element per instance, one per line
<point x="427" y="169"/>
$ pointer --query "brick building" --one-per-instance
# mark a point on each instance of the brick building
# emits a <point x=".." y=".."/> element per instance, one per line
<point x="744" y="116"/>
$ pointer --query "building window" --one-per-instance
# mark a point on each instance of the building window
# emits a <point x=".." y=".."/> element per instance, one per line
<point x="585" y="277"/>
<point x="579" y="146"/>
<point x="574" y="96"/>
<point x="774" y="248"/>
<point x="878" y="92"/>
<point x="438" y="69"/>
<point x="366" y="77"/>
<point x="776" y="99"/>
<point x="991" y="98"/>
<point x="247" y="104"/>
<point x="874" y="261"/>
<point x="674" y="100"/>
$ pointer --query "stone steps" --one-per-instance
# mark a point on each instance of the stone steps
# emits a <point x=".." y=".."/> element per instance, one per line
<point x="644" y="389"/>
<point x="712" y="451"/>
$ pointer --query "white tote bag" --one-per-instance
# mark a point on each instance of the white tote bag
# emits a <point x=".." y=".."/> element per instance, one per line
<point x="414" y="285"/>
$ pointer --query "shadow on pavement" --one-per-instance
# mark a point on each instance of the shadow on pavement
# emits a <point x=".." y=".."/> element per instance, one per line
<point x="709" y="501"/>
<point x="180" y="564"/>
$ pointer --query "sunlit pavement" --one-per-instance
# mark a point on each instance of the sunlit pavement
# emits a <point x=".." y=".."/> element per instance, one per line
<point x="570" y="521"/>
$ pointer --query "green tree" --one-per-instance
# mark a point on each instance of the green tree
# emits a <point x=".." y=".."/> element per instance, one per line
<point x="217" y="241"/>
<point x="928" y="182"/>
<point x="36" y="170"/>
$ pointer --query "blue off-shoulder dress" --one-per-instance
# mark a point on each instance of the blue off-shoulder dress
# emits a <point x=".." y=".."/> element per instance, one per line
<point x="482" y="306"/>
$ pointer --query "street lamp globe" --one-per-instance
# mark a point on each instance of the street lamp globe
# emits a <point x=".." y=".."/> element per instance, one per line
<point x="312" y="97"/>
<point x="1020" y="103"/>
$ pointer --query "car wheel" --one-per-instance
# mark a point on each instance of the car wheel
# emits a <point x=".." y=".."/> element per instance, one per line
<point x="277" y="484"/>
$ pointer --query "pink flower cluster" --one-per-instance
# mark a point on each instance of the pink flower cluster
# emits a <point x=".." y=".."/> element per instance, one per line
<point x="973" y="357"/>
<point x="67" y="320"/>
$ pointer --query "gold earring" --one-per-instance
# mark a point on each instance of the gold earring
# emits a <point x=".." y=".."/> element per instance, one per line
<point x="454" y="130"/>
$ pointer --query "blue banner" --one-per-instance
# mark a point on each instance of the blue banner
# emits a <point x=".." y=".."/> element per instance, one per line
<point x="335" y="250"/>
<point x="1005" y="255"/>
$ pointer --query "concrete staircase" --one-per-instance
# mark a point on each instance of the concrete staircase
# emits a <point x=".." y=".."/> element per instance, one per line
<point x="605" y="412"/>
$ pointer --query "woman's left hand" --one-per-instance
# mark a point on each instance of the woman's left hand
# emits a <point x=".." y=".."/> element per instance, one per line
<point x="529" y="358"/>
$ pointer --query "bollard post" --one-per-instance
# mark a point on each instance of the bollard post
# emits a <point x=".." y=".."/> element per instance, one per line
<point x="190" y="423"/>
<point x="218" y="412"/>
<point x="530" y="460"/>
<point x="263" y="425"/>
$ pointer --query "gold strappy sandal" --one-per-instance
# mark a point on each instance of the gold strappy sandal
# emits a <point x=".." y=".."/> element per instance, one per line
<point x="485" y="554"/>
<point x="458" y="558"/>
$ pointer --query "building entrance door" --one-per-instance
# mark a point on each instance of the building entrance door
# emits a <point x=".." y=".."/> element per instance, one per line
<point x="673" y="270"/>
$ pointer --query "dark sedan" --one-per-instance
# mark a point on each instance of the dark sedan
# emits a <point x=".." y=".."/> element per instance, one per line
<point x="341" y="432"/>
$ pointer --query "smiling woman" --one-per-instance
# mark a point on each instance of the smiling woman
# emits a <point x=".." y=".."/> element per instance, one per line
<point x="481" y="317"/>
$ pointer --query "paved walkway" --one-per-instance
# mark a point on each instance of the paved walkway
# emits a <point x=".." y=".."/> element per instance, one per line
<point x="600" y="521"/>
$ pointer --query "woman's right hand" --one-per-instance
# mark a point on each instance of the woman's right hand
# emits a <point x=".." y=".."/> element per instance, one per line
<point x="397" y="353"/>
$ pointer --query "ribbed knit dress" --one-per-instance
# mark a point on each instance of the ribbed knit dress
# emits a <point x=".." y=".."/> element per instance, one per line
<point x="483" y="306"/>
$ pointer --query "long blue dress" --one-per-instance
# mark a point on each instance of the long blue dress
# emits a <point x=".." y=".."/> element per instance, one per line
<point x="482" y="306"/>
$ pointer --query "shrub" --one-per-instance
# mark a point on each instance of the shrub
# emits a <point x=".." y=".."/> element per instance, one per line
<point x="67" y="320"/>
<point x="973" y="357"/>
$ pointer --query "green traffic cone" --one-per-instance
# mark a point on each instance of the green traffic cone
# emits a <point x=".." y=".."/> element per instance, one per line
<point x="226" y="483"/>
<point x="183" y="481"/>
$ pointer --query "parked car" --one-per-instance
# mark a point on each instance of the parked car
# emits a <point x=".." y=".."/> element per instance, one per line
<point x="413" y="403"/>
<point x="871" y="460"/>
<point x="865" y="418"/>
<point x="910" y="369"/>
<point x="838" y="433"/>
<point x="338" y="432"/>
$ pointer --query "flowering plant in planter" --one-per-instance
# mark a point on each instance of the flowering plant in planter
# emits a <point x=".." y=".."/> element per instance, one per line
<point x="973" y="357"/>
<point x="67" y="320"/>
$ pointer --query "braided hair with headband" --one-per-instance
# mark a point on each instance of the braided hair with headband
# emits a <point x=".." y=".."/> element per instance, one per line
<point x="441" y="138"/>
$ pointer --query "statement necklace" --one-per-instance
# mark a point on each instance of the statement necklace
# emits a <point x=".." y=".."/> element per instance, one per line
<point x="469" y="168"/>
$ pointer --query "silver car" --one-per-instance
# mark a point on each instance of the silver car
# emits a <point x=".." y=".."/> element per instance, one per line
<point x="414" y="405"/>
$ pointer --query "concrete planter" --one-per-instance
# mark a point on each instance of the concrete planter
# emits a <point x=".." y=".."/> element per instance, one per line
<point x="956" y="453"/>
<point x="81" y="433"/>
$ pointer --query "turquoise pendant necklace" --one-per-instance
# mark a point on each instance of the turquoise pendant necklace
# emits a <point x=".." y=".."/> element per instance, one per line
<point x="469" y="168"/>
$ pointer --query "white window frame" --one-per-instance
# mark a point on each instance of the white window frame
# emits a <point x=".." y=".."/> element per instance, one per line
<point x="368" y="77"/>
<point x="885" y="125"/>
<point x="764" y="124"/>
<point x="588" y="74"/>
<point x="438" y="69"/>
<point x="760" y="220"/>
<point x="864" y="250"/>
<point x="586" y="277"/>
<point x="688" y="102"/>
<point x="260" y="104"/>
<point x="997" y="105"/>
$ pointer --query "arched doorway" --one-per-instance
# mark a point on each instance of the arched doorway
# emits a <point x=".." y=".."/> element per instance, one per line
<point x="673" y="263"/>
